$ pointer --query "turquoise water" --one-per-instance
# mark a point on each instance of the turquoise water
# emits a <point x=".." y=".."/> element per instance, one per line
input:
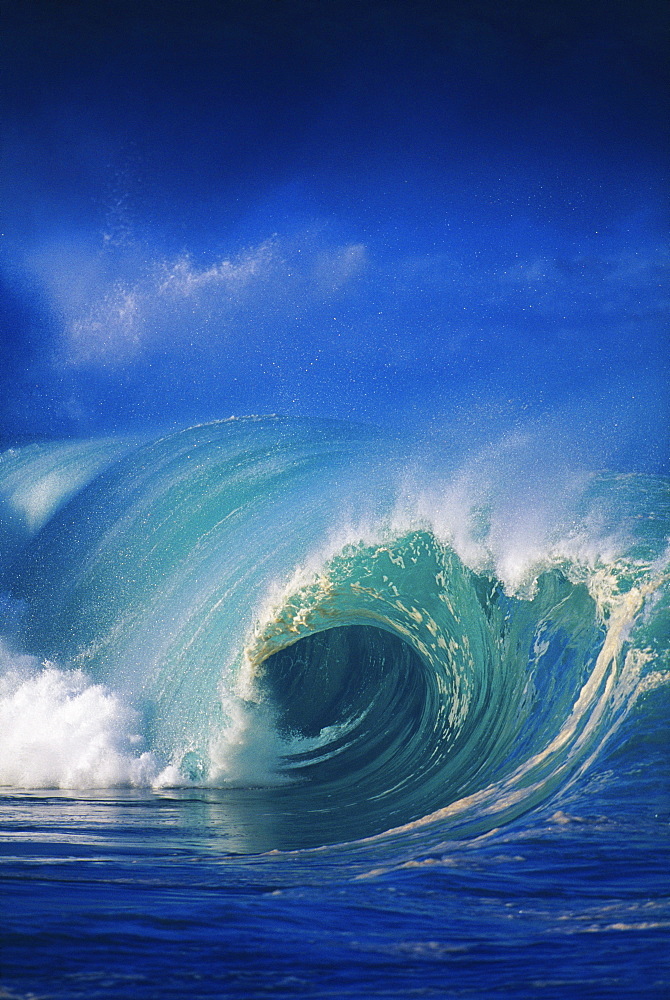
<point x="285" y="709"/>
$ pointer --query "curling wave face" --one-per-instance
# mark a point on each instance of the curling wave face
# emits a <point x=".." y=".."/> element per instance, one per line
<point x="247" y="605"/>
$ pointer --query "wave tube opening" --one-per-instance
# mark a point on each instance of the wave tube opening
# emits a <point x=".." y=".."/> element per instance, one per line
<point x="358" y="714"/>
<point x="382" y="724"/>
<point x="349" y="697"/>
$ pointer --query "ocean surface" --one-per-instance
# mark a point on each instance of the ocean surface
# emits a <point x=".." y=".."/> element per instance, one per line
<point x="290" y="708"/>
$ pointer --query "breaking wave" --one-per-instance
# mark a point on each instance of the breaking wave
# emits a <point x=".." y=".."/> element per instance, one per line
<point x="277" y="604"/>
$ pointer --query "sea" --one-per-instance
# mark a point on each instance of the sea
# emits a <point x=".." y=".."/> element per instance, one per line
<point x="292" y="708"/>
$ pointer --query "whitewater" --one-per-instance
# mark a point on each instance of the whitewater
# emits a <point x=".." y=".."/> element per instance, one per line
<point x="293" y="674"/>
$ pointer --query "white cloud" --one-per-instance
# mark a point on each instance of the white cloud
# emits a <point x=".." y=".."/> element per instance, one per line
<point x="112" y="329"/>
<point x="181" y="278"/>
<point x="172" y="302"/>
<point x="336" y="268"/>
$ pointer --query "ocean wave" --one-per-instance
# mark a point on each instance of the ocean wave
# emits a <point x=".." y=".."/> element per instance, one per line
<point x="278" y="604"/>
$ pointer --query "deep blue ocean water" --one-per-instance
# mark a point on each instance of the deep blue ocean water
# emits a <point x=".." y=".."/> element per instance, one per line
<point x="286" y="712"/>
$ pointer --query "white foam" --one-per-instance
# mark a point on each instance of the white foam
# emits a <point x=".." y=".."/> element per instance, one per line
<point x="249" y="751"/>
<point x="60" y="730"/>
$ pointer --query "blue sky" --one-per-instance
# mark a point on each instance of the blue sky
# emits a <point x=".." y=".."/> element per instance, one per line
<point x="410" y="213"/>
